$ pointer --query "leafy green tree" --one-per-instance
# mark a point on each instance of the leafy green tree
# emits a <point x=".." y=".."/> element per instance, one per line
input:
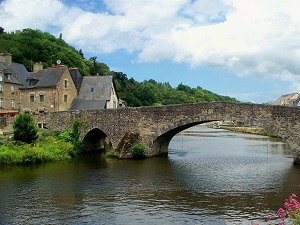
<point x="25" y="128"/>
<point x="1" y="30"/>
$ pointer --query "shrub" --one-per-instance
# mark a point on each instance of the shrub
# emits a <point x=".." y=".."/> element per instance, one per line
<point x="25" y="128"/>
<point x="112" y="154"/>
<point x="138" y="150"/>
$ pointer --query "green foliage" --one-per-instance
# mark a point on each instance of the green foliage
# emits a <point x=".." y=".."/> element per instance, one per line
<point x="25" y="128"/>
<point x="29" y="46"/>
<point x="152" y="93"/>
<point x="50" y="149"/>
<point x="112" y="154"/>
<point x="138" y="150"/>
<point x="72" y="136"/>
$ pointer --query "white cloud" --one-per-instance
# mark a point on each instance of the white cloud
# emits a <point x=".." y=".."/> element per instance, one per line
<point x="258" y="37"/>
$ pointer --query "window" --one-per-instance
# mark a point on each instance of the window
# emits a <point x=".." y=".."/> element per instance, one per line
<point x="1" y="78"/>
<point x="31" y="98"/>
<point x="41" y="98"/>
<point x="9" y="76"/>
<point x="65" y="98"/>
<point x="92" y="89"/>
<point x="66" y="83"/>
<point x="12" y="89"/>
<point x="12" y="103"/>
<point x="1" y="102"/>
<point x="42" y="110"/>
<point x="1" y="87"/>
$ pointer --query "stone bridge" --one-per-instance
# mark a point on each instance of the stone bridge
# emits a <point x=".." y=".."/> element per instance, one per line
<point x="156" y="126"/>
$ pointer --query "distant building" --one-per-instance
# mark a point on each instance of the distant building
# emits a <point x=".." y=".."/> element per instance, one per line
<point x="96" y="92"/>
<point x="292" y="99"/>
<point x="48" y="90"/>
<point x="9" y="89"/>
<point x="57" y="88"/>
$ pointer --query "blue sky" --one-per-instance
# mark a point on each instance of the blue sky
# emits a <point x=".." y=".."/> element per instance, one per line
<point x="247" y="49"/>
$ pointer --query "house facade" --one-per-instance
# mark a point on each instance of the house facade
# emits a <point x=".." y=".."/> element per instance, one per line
<point x="48" y="90"/>
<point x="58" y="88"/>
<point x="96" y="92"/>
<point x="9" y="91"/>
<point x="292" y="99"/>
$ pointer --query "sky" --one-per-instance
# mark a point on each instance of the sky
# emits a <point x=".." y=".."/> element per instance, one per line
<point x="246" y="49"/>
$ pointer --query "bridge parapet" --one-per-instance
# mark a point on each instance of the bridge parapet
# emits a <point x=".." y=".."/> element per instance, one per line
<point x="157" y="125"/>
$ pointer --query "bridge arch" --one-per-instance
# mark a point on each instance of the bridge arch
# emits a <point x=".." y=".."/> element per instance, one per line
<point x="161" y="144"/>
<point x="95" y="139"/>
<point x="158" y="124"/>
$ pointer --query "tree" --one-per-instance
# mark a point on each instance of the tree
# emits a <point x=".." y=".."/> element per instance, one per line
<point x="25" y="128"/>
<point x="81" y="53"/>
<point x="1" y="30"/>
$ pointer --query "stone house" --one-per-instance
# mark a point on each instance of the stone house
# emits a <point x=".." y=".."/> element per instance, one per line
<point x="288" y="100"/>
<point x="9" y="90"/>
<point x="96" y="92"/>
<point x="48" y="90"/>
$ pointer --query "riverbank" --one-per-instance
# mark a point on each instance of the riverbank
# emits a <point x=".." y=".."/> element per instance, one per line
<point x="46" y="149"/>
<point x="250" y="130"/>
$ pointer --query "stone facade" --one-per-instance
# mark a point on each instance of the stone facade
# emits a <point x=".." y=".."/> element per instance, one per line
<point x="9" y="91"/>
<point x="158" y="125"/>
<point x="49" y="99"/>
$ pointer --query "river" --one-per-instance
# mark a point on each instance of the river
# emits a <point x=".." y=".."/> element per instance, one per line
<point x="210" y="176"/>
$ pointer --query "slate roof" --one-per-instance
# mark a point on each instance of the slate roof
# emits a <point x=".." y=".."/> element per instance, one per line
<point x="20" y="71"/>
<point x="101" y="86"/>
<point x="82" y="104"/>
<point x="76" y="77"/>
<point x="94" y="93"/>
<point x="4" y="69"/>
<point x="47" y="77"/>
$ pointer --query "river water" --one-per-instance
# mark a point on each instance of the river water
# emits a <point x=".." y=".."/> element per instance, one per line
<point x="210" y="176"/>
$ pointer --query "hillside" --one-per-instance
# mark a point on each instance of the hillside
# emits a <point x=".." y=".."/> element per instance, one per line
<point x="29" y="46"/>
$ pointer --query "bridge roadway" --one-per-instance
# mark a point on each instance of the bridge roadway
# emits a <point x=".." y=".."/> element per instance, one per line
<point x="156" y="126"/>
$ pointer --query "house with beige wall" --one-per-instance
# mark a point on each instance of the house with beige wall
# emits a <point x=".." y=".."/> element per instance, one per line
<point x="96" y="92"/>
<point x="48" y="90"/>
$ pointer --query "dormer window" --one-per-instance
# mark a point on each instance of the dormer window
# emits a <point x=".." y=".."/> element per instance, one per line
<point x="31" y="82"/>
<point x="9" y="76"/>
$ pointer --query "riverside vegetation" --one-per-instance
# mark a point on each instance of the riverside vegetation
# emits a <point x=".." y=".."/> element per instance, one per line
<point x="27" y="147"/>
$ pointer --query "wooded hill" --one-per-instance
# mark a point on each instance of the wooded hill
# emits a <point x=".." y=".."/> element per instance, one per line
<point x="29" y="46"/>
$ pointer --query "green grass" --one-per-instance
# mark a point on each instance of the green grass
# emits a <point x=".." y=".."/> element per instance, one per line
<point x="46" y="150"/>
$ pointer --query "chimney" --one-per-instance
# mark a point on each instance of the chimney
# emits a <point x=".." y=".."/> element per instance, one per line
<point x="5" y="58"/>
<point x="37" y="67"/>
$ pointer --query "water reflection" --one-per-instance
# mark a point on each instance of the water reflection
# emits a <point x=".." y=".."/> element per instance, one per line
<point x="214" y="177"/>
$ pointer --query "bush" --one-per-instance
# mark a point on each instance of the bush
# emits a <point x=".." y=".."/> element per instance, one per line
<point x="112" y="154"/>
<point x="138" y="150"/>
<point x="25" y="128"/>
<point x="50" y="149"/>
<point x="72" y="137"/>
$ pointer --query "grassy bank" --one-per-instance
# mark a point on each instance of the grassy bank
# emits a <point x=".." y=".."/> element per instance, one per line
<point x="250" y="130"/>
<point x="46" y="149"/>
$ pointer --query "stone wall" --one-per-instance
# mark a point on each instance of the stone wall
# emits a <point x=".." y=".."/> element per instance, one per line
<point x="157" y="125"/>
<point x="50" y="99"/>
